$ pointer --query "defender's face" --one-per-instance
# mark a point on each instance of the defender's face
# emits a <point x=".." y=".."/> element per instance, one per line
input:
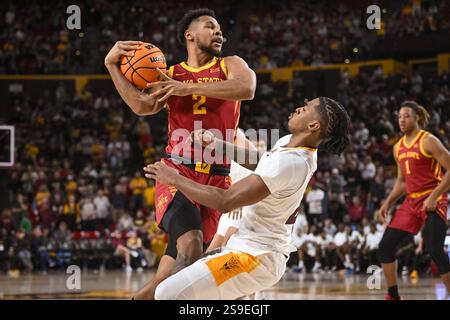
<point x="302" y="117"/>
<point x="407" y="119"/>
<point x="207" y="35"/>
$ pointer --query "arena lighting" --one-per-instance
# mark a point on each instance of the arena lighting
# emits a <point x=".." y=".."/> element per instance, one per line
<point x="77" y="52"/>
<point x="355" y="50"/>
<point x="347" y="61"/>
<point x="81" y="34"/>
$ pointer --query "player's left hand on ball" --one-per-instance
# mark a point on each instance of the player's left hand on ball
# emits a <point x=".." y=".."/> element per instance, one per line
<point x="168" y="87"/>
<point x="160" y="172"/>
<point x="429" y="205"/>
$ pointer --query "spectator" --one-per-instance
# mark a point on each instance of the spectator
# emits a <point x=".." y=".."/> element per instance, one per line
<point x="88" y="213"/>
<point x="71" y="213"/>
<point x="137" y="187"/>
<point x="316" y="204"/>
<point x="103" y="208"/>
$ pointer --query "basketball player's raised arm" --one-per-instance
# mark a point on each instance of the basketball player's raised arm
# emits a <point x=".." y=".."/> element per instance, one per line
<point x="240" y="84"/>
<point x="243" y="151"/>
<point x="247" y="191"/>
<point x="397" y="191"/>
<point x="141" y="103"/>
<point x="434" y="147"/>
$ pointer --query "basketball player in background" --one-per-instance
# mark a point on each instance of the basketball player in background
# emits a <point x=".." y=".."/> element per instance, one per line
<point x="420" y="157"/>
<point x="255" y="257"/>
<point x="206" y="88"/>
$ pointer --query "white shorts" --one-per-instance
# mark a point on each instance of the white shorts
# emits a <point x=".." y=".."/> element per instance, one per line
<point x="226" y="275"/>
<point x="226" y="222"/>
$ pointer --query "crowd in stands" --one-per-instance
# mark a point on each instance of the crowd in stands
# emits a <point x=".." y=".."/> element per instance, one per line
<point x="35" y="38"/>
<point x="78" y="193"/>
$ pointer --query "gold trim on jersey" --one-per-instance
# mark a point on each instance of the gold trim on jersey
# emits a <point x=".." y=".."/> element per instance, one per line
<point x="422" y="149"/>
<point x="299" y="148"/>
<point x="206" y="66"/>
<point x="408" y="146"/>
<point x="415" y="195"/>
<point x="171" y="71"/>
<point x="224" y="67"/>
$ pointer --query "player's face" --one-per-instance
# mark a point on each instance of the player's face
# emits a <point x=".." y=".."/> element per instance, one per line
<point x="407" y="119"/>
<point x="303" y="117"/>
<point x="208" y="36"/>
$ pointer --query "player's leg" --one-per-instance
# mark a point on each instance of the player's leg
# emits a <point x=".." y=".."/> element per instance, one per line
<point x="435" y="230"/>
<point x="163" y="272"/>
<point x="216" y="242"/>
<point x="230" y="232"/>
<point x="386" y="252"/>
<point x="227" y="275"/>
<point x="182" y="220"/>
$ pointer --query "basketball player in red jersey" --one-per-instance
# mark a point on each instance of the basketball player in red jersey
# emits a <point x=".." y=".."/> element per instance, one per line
<point x="205" y="88"/>
<point x="420" y="157"/>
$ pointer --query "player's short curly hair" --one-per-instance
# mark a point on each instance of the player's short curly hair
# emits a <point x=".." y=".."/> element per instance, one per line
<point x="335" y="121"/>
<point x="187" y="19"/>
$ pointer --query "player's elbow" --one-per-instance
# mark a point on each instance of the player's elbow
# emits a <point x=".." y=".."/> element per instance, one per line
<point x="143" y="108"/>
<point x="248" y="92"/>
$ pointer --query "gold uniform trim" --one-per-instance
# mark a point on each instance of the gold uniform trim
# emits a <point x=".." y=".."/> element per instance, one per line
<point x="206" y="66"/>
<point x="224" y="67"/>
<point x="422" y="150"/>
<point x="414" y="140"/>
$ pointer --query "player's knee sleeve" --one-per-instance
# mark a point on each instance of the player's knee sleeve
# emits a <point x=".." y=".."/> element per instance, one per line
<point x="440" y="259"/>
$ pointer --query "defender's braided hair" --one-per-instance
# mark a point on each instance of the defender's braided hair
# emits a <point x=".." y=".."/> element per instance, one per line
<point x="335" y="123"/>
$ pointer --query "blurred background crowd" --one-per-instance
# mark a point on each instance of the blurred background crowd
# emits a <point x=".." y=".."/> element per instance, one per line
<point x="77" y="190"/>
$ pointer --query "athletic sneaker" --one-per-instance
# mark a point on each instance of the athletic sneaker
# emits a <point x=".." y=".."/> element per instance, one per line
<point x="317" y="267"/>
<point x="414" y="274"/>
<point x="129" y="270"/>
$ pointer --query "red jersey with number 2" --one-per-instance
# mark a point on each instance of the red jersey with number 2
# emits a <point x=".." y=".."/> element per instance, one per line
<point x="210" y="112"/>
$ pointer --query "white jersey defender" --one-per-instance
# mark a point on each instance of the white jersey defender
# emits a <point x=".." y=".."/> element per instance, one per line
<point x="255" y="257"/>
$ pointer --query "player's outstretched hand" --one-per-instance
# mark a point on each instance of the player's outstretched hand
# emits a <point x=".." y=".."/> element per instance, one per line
<point x="162" y="173"/>
<point x="121" y="48"/>
<point x="168" y="87"/>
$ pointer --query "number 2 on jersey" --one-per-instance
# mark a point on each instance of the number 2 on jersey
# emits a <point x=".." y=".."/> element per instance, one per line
<point x="199" y="107"/>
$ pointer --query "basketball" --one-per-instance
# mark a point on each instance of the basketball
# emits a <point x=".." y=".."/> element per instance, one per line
<point x="140" y="69"/>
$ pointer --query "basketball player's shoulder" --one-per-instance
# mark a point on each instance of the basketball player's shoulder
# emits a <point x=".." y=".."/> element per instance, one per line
<point x="234" y="60"/>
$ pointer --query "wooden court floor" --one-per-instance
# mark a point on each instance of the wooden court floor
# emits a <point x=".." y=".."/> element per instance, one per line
<point x="293" y="286"/>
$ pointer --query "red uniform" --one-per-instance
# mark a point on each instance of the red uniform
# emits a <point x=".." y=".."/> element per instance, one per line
<point x="183" y="112"/>
<point x="422" y="174"/>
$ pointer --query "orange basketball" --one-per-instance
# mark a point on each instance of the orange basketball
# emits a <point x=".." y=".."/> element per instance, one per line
<point x="140" y="69"/>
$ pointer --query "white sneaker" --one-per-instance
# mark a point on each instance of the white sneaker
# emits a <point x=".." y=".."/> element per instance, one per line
<point x="129" y="270"/>
<point x="317" y="267"/>
<point x="139" y="270"/>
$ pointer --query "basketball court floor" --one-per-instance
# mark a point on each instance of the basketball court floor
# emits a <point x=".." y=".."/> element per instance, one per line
<point x="118" y="285"/>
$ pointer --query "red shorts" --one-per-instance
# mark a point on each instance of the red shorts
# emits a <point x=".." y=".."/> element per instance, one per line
<point x="410" y="217"/>
<point x="164" y="195"/>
